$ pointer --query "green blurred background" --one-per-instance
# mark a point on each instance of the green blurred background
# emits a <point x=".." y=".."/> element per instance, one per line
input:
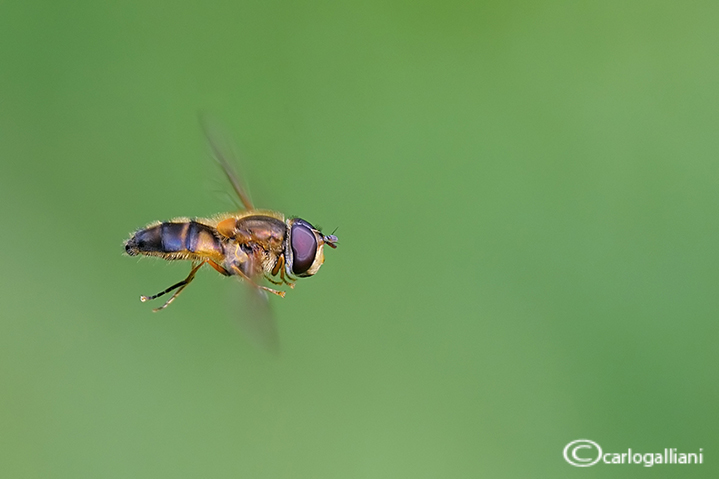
<point x="526" y="195"/>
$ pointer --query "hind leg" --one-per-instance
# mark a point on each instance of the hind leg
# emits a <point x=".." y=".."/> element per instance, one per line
<point x="177" y="286"/>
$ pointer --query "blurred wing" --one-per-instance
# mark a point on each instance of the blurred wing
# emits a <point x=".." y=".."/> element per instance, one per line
<point x="251" y="312"/>
<point x="222" y="154"/>
<point x="258" y="322"/>
<point x="256" y="319"/>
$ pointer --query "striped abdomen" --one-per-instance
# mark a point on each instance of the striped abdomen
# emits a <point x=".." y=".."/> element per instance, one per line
<point x="179" y="239"/>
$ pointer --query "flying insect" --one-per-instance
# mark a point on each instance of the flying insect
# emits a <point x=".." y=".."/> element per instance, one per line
<point x="251" y="245"/>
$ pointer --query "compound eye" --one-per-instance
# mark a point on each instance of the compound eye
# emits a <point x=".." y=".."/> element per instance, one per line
<point x="304" y="247"/>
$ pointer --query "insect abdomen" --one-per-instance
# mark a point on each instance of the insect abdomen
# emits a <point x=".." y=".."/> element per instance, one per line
<point x="176" y="240"/>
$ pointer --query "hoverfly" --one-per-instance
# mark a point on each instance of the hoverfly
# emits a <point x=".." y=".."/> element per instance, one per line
<point x="249" y="244"/>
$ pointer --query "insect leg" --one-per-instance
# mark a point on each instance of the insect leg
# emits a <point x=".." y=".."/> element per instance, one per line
<point x="259" y="286"/>
<point x="286" y="278"/>
<point x="218" y="268"/>
<point x="280" y="269"/>
<point x="179" y="286"/>
<point x="268" y="278"/>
